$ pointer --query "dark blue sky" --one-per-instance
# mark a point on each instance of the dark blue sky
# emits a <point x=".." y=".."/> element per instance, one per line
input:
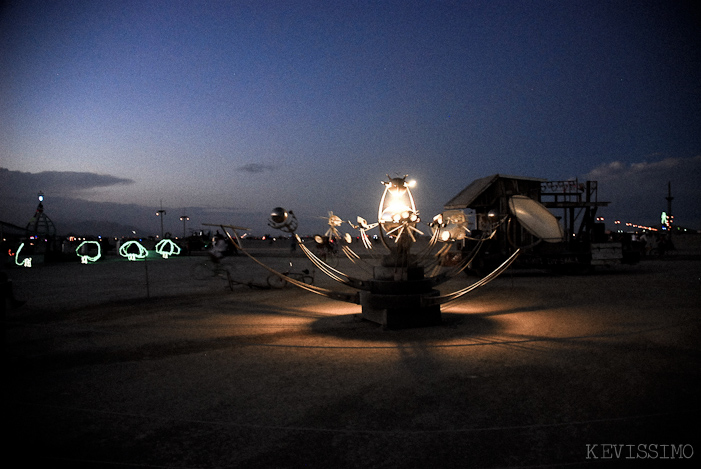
<point x="231" y="108"/>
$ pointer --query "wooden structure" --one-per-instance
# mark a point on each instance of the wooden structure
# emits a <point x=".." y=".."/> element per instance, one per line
<point x="574" y="203"/>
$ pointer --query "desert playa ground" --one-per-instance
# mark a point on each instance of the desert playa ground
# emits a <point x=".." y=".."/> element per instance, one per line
<point x="136" y="364"/>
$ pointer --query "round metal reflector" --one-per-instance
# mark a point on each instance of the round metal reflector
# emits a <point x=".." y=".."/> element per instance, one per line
<point x="535" y="218"/>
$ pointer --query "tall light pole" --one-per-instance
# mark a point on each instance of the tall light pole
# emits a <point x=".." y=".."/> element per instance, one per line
<point x="184" y="219"/>
<point x="160" y="213"/>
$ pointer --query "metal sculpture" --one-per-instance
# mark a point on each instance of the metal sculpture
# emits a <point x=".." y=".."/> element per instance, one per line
<point x="402" y="290"/>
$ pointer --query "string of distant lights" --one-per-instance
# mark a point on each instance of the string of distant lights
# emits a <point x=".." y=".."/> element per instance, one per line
<point x="665" y="220"/>
<point x="619" y="226"/>
<point x="86" y="258"/>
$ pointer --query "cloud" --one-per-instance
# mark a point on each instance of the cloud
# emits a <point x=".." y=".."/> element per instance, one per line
<point x="18" y="194"/>
<point x="638" y="191"/>
<point x="256" y="168"/>
<point x="668" y="166"/>
<point x="21" y="184"/>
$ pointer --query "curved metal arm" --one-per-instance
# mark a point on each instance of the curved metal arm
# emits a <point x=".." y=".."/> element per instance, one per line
<point x="443" y="299"/>
<point x="347" y="297"/>
<point x="334" y="274"/>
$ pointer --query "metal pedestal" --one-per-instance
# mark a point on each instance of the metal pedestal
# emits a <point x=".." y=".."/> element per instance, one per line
<point x="397" y="297"/>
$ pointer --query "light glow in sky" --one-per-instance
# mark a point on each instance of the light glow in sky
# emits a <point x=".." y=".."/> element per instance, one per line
<point x="226" y="109"/>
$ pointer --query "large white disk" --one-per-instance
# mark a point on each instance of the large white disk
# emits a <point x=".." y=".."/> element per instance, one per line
<point x="535" y="218"/>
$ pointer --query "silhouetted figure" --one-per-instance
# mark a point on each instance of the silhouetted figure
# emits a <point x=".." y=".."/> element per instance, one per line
<point x="8" y="297"/>
<point x="218" y="248"/>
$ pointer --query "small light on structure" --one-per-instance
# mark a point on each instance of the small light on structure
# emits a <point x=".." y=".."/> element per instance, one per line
<point x="160" y="213"/>
<point x="283" y="220"/>
<point x="397" y="212"/>
<point x="451" y="225"/>
<point x="184" y="219"/>
<point x="278" y="215"/>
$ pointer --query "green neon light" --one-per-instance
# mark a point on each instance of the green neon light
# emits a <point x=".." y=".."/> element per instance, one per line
<point x="167" y="247"/>
<point x="141" y="254"/>
<point x="85" y="258"/>
<point x="27" y="262"/>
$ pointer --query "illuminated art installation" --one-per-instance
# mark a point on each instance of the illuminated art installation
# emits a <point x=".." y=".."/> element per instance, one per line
<point x="27" y="262"/>
<point x="86" y="258"/>
<point x="41" y="225"/>
<point x="41" y="233"/>
<point x="166" y="248"/>
<point x="400" y="292"/>
<point x="140" y="253"/>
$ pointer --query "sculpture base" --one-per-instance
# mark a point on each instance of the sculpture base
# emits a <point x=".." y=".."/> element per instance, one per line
<point x="396" y="297"/>
<point x="399" y="311"/>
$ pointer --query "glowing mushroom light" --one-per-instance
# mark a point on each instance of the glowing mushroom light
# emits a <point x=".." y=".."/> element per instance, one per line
<point x="82" y="252"/>
<point x="26" y="262"/>
<point x="127" y="250"/>
<point x="166" y="248"/>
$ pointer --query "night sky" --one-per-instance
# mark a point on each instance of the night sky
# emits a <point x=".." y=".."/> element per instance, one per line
<point x="227" y="109"/>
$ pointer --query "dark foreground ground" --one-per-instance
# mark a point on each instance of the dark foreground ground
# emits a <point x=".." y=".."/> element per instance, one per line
<point x="532" y="370"/>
